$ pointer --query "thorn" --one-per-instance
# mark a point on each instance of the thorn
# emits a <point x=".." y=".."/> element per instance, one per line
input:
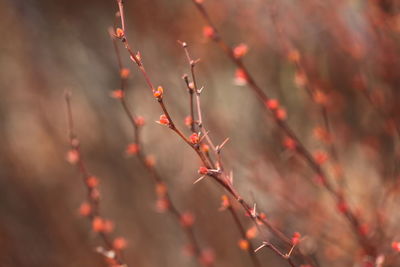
<point x="264" y="244"/>
<point x="219" y="147"/>
<point x="183" y="44"/>
<point x="199" y="179"/>
<point x="204" y="135"/>
<point x="106" y="253"/>
<point x="200" y="90"/>
<point x="231" y="177"/>
<point x="253" y="211"/>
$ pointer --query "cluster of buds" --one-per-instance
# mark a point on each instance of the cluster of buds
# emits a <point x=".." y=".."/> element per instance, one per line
<point x="162" y="204"/>
<point x="100" y="225"/>
<point x="194" y="138"/>
<point x="278" y="111"/>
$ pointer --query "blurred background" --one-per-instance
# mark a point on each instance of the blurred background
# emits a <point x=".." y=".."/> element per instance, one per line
<point x="348" y="53"/>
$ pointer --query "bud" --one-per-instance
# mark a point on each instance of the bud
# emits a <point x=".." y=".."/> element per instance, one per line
<point x="159" y="92"/>
<point x="225" y="203"/>
<point x="72" y="156"/>
<point x="296" y="238"/>
<point x="396" y="246"/>
<point x="119" y="33"/>
<point x="188" y="121"/>
<point x="187" y="219"/>
<point x="119" y="243"/>
<point x="320" y="97"/>
<point x="162" y="205"/>
<point x="281" y="114"/>
<point x="320" y="157"/>
<point x="251" y="232"/>
<point x="293" y="55"/>
<point x="342" y="206"/>
<point x="117" y="94"/>
<point x="240" y="77"/>
<point x="208" y="32"/>
<point x="300" y="78"/>
<point x="243" y="244"/>
<point x="240" y="51"/>
<point x="125" y="73"/>
<point x="98" y="224"/>
<point x="289" y="143"/>
<point x="163" y="120"/>
<point x="150" y="161"/>
<point x="161" y="189"/>
<point x="139" y="121"/>
<point x="272" y="104"/>
<point x="85" y="209"/>
<point x="205" y="148"/>
<point x="132" y="149"/>
<point x="92" y="182"/>
<point x="194" y="138"/>
<point x="203" y="170"/>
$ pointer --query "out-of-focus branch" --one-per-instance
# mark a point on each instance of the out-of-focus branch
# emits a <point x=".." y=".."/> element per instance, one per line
<point x="300" y="149"/>
<point x="112" y="250"/>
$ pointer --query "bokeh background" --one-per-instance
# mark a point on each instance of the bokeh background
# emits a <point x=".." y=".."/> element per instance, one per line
<point x="350" y="51"/>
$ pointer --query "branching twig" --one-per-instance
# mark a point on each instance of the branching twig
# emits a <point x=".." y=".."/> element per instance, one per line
<point x="161" y="188"/>
<point x="219" y="177"/>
